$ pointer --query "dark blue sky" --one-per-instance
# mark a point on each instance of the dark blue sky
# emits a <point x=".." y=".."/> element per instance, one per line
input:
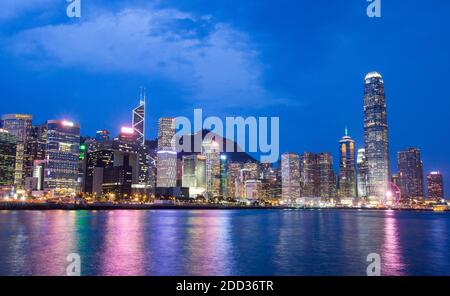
<point x="303" y="61"/>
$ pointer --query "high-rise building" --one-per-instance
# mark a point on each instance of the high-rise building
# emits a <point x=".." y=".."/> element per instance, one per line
<point x="410" y="173"/>
<point x="347" y="176"/>
<point x="233" y="174"/>
<point x="166" y="176"/>
<point x="139" y="119"/>
<point x="223" y="176"/>
<point x="20" y="126"/>
<point x="211" y="150"/>
<point x="62" y="156"/>
<point x="327" y="177"/>
<point x="194" y="174"/>
<point x="435" y="186"/>
<point x="376" y="137"/>
<point x="318" y="179"/>
<point x="290" y="177"/>
<point x="7" y="158"/>
<point x="361" y="162"/>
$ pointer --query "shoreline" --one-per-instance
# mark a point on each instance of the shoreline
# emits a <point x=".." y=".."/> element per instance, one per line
<point x="14" y="206"/>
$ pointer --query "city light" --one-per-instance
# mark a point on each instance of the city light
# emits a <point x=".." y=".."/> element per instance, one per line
<point x="127" y="130"/>
<point x="67" y="123"/>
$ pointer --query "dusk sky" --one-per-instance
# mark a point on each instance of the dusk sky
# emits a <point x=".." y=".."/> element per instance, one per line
<point x="303" y="61"/>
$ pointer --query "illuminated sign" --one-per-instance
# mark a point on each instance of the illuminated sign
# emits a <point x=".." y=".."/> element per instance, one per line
<point x="127" y="130"/>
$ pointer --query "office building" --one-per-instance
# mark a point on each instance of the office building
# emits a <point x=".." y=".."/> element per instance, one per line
<point x="410" y="173"/>
<point x="376" y="137"/>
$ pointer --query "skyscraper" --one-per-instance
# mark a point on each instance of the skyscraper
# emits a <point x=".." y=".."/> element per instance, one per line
<point x="20" y="126"/>
<point x="410" y="173"/>
<point x="376" y="137"/>
<point x="194" y="174"/>
<point x="166" y="156"/>
<point x="62" y="154"/>
<point x="327" y="177"/>
<point x="211" y="150"/>
<point x="318" y="180"/>
<point x="139" y="119"/>
<point x="435" y="186"/>
<point x="347" y="176"/>
<point x="362" y="173"/>
<point x="7" y="158"/>
<point x="290" y="177"/>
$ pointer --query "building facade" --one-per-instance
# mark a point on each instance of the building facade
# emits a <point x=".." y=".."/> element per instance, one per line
<point x="62" y="156"/>
<point x="347" y="168"/>
<point x="376" y="137"/>
<point x="7" y="158"/>
<point x="290" y="177"/>
<point x="410" y="173"/>
<point x="435" y="185"/>
<point x="20" y="126"/>
<point x="361" y="162"/>
<point x="166" y="155"/>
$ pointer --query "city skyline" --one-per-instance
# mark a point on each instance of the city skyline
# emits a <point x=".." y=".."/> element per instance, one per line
<point x="296" y="84"/>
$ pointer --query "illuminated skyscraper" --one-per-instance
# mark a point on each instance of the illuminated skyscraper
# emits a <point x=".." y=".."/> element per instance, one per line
<point x="194" y="174"/>
<point x="347" y="176"/>
<point x="139" y="119"/>
<point x="211" y="150"/>
<point x="362" y="173"/>
<point x="290" y="177"/>
<point x="7" y="158"/>
<point x="318" y="179"/>
<point x="166" y="176"/>
<point x="410" y="173"/>
<point x="435" y="186"/>
<point x="223" y="176"/>
<point x="20" y="126"/>
<point x="376" y="137"/>
<point x="62" y="155"/>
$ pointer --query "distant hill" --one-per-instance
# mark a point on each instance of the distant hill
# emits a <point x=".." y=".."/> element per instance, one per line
<point x="238" y="156"/>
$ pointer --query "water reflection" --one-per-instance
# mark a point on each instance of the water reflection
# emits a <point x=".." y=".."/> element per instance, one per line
<point x="267" y="242"/>
<point x="391" y="259"/>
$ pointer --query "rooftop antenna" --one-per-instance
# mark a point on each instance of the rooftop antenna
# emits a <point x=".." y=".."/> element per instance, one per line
<point x="346" y="131"/>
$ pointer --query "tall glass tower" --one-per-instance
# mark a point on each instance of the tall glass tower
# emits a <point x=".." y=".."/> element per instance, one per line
<point x="347" y="176"/>
<point x="139" y="119"/>
<point x="376" y="137"/>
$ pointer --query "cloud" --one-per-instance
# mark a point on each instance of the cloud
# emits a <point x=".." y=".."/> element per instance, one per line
<point x="211" y="61"/>
<point x="11" y="9"/>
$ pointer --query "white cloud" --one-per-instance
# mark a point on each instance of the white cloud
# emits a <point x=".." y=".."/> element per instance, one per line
<point x="214" y="61"/>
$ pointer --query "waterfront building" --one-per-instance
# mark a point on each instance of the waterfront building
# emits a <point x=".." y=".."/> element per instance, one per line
<point x="318" y="179"/>
<point x="435" y="186"/>
<point x="166" y="156"/>
<point x="410" y="172"/>
<point x="211" y="150"/>
<point x="361" y="162"/>
<point x="62" y="156"/>
<point x="327" y="177"/>
<point x="7" y="158"/>
<point x="376" y="137"/>
<point x="194" y="174"/>
<point x="20" y="125"/>
<point x="223" y="176"/>
<point x="347" y="168"/>
<point x="253" y="189"/>
<point x="290" y="177"/>
<point x="233" y="174"/>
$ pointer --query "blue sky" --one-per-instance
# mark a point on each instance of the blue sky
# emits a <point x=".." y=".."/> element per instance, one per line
<point x="303" y="61"/>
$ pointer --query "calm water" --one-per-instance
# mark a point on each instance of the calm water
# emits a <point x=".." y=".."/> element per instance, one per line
<point x="195" y="242"/>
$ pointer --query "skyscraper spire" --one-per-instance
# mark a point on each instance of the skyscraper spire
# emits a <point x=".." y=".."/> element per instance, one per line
<point x="346" y="131"/>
